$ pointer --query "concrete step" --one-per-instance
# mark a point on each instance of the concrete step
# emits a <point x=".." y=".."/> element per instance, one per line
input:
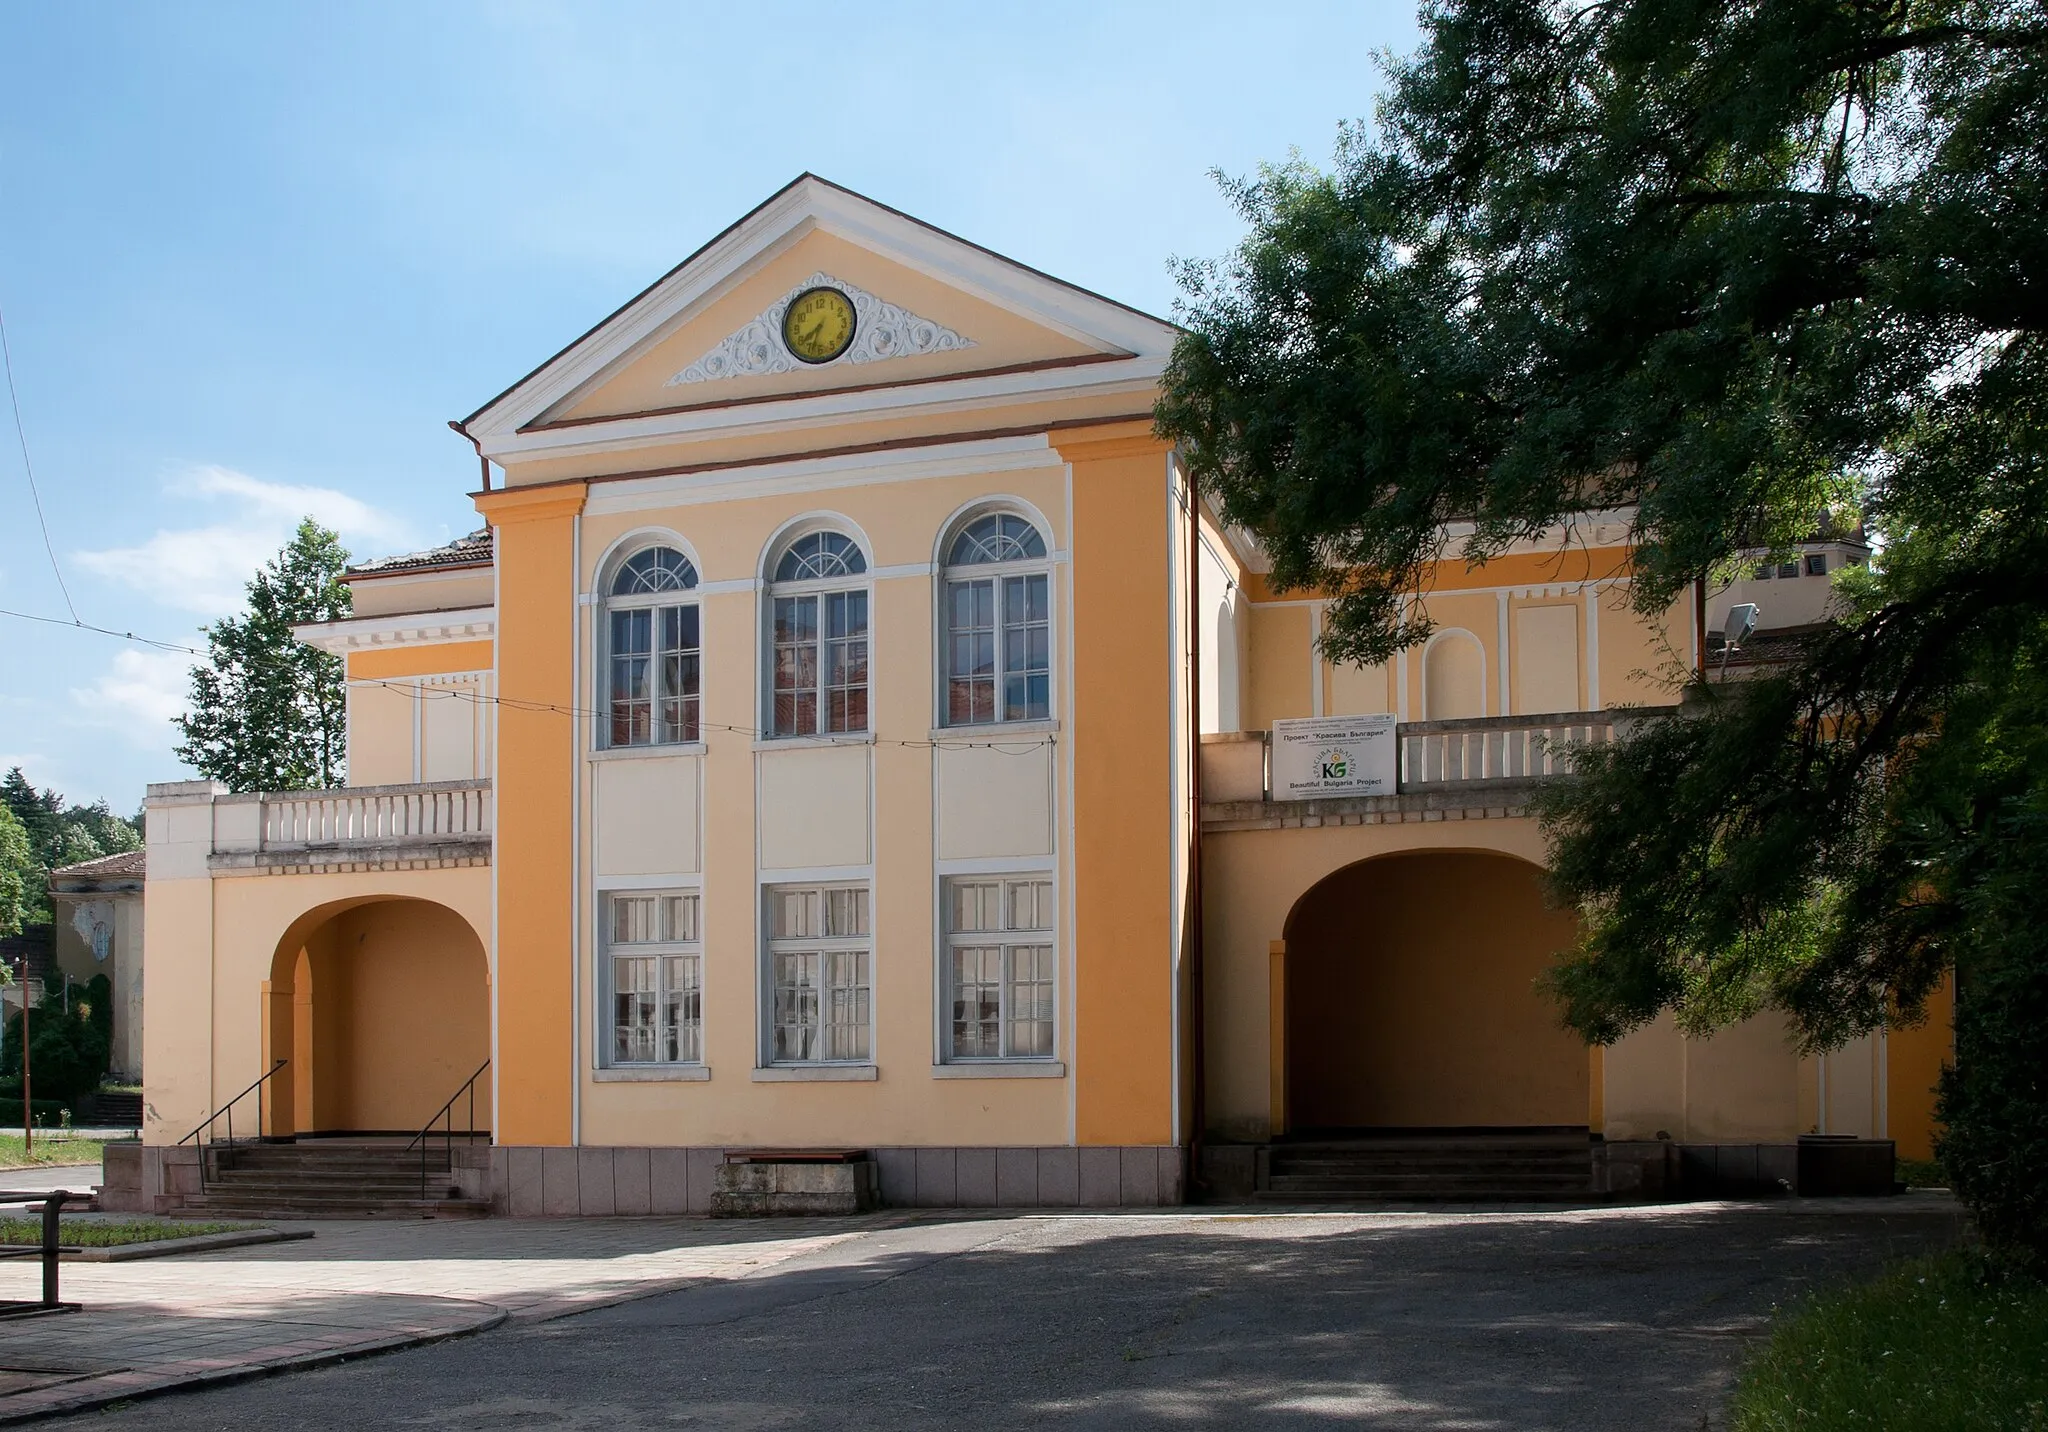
<point x="341" y="1207"/>
<point x="1493" y="1195"/>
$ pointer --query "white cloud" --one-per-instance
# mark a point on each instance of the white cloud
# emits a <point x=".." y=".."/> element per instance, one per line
<point x="138" y="695"/>
<point x="205" y="569"/>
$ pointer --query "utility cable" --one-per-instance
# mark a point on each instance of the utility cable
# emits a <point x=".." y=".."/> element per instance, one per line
<point x="21" y="435"/>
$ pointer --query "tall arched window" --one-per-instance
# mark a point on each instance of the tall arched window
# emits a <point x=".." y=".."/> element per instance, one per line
<point x="818" y="620"/>
<point x="653" y="654"/>
<point x="998" y="617"/>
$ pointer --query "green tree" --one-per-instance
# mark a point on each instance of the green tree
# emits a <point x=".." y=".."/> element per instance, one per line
<point x="60" y="834"/>
<point x="17" y="876"/>
<point x="1731" y="269"/>
<point x="266" y="710"/>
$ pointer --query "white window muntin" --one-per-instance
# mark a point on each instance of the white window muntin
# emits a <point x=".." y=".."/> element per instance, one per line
<point x="818" y="645"/>
<point x="1015" y="691"/>
<point x="650" y="644"/>
<point x="652" y="975"/>
<point x="818" y="973"/>
<point x="999" y="967"/>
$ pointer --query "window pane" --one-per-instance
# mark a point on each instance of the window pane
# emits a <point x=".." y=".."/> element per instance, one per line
<point x="793" y="914"/>
<point x="679" y="917"/>
<point x="846" y="912"/>
<point x="796" y="1006"/>
<point x="846" y="989"/>
<point x="977" y="1003"/>
<point x="633" y="1010"/>
<point x="1788" y="569"/>
<point x="1030" y="997"/>
<point x="1030" y="905"/>
<point x="633" y="919"/>
<point x="976" y="905"/>
<point x="796" y="666"/>
<point x="682" y="1011"/>
<point x="679" y="672"/>
<point x="1816" y="564"/>
<point x="846" y="661"/>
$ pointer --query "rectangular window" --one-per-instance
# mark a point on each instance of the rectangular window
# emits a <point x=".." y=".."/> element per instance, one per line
<point x="999" y="669"/>
<point x="999" y="968"/>
<point x="1816" y="564"/>
<point x="821" y="666"/>
<point x="655" y="670"/>
<point x="1788" y="569"/>
<point x="819" y="957"/>
<point x="656" y="958"/>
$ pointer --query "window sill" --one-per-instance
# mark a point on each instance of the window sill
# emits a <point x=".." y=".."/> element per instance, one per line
<point x="1002" y="1069"/>
<point x="816" y="1073"/>
<point x="800" y="743"/>
<point x="643" y="753"/>
<point x="652" y="1074"/>
<point x="984" y="730"/>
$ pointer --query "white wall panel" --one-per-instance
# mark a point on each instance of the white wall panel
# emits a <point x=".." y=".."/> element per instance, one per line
<point x="646" y="816"/>
<point x="814" y="807"/>
<point x="995" y="802"/>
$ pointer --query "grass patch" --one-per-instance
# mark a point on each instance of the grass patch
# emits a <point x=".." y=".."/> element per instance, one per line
<point x="93" y="1233"/>
<point x="1938" y="1343"/>
<point x="51" y="1148"/>
<point x="1922" y="1173"/>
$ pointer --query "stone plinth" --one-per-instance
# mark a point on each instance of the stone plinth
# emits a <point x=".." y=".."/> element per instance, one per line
<point x="759" y="1188"/>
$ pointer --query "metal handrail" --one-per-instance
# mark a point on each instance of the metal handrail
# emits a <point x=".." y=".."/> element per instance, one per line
<point x="228" y="1109"/>
<point x="421" y="1140"/>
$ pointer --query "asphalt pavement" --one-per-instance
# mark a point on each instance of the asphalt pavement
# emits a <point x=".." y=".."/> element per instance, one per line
<point x="1629" y="1318"/>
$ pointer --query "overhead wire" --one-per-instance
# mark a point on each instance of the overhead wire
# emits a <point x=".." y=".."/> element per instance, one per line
<point x="417" y="687"/>
<point x="35" y="494"/>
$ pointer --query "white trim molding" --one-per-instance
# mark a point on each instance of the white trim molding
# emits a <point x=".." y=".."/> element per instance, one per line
<point x="881" y="331"/>
<point x="400" y="629"/>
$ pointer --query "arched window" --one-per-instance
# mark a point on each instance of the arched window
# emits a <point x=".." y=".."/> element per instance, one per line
<point x="998" y="617"/>
<point x="1453" y="676"/>
<point x="653" y="656"/>
<point x="818" y="620"/>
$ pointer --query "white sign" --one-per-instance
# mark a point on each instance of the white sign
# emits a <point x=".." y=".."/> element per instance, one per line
<point x="1333" y="756"/>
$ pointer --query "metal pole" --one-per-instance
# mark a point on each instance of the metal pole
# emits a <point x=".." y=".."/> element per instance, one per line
<point x="51" y="1207"/>
<point x="28" y="1137"/>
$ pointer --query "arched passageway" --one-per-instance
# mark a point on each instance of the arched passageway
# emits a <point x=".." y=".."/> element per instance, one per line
<point x="381" y="1009"/>
<point x="1411" y="1001"/>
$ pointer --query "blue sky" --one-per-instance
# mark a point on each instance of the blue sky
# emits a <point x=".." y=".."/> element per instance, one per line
<point x="253" y="257"/>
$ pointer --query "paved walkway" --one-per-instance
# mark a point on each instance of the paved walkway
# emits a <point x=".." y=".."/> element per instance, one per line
<point x="49" y="1176"/>
<point x="1472" y="1318"/>
<point x="354" y="1288"/>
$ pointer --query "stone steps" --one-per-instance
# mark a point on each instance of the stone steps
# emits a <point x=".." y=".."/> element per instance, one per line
<point x="332" y="1180"/>
<point x="1506" y="1168"/>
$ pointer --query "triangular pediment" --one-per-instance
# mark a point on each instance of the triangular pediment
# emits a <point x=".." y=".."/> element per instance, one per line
<point x="931" y="308"/>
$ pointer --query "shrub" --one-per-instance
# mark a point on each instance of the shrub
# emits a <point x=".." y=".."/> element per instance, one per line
<point x="68" y="1049"/>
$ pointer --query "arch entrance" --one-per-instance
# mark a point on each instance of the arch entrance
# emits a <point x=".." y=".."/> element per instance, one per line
<point x="380" y="1008"/>
<point x="1410" y="999"/>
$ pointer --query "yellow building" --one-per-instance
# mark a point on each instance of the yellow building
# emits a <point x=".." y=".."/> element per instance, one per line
<point x="826" y="744"/>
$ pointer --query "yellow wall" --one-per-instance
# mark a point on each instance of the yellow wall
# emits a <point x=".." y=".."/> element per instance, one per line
<point x="534" y="852"/>
<point x="1412" y="999"/>
<point x="1915" y="1057"/>
<point x="1124" y="743"/>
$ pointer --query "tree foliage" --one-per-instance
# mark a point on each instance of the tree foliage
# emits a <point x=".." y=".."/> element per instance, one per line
<point x="1731" y="269"/>
<point x="70" y="1040"/>
<point x="17" y="875"/>
<point x="55" y="833"/>
<point x="266" y="710"/>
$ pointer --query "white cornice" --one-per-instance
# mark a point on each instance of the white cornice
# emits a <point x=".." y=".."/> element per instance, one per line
<point x="400" y="629"/>
<point x="807" y="205"/>
<point x="688" y="489"/>
<point x="1137" y="378"/>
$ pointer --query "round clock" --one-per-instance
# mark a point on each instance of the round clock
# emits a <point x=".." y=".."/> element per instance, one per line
<point x="819" y="325"/>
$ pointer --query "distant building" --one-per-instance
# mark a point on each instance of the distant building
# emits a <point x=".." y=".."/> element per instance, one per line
<point x="98" y="905"/>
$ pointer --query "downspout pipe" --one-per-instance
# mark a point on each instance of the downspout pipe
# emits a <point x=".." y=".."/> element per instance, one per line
<point x="482" y="461"/>
<point x="1198" y="1063"/>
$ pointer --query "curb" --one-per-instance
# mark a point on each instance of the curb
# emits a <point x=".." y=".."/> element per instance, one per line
<point x="134" y="1386"/>
<point x="172" y="1247"/>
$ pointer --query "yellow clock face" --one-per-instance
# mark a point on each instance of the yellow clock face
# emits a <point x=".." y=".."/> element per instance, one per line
<point x="819" y="325"/>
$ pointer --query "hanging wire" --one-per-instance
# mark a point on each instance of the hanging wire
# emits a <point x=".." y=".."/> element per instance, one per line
<point x="21" y="435"/>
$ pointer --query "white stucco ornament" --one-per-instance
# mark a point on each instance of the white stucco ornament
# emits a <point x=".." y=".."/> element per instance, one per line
<point x="94" y="921"/>
<point x="883" y="330"/>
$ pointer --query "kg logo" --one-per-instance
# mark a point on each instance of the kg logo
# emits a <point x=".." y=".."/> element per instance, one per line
<point x="1334" y="765"/>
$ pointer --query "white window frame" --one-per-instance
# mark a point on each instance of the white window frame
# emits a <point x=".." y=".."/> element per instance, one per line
<point x="666" y="945"/>
<point x="1008" y="939"/>
<point x="654" y="603"/>
<point x="824" y="946"/>
<point x="821" y="590"/>
<point x="995" y="573"/>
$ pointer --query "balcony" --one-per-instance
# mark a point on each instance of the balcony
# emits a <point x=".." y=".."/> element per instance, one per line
<point x="1459" y="770"/>
<point x="433" y="825"/>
